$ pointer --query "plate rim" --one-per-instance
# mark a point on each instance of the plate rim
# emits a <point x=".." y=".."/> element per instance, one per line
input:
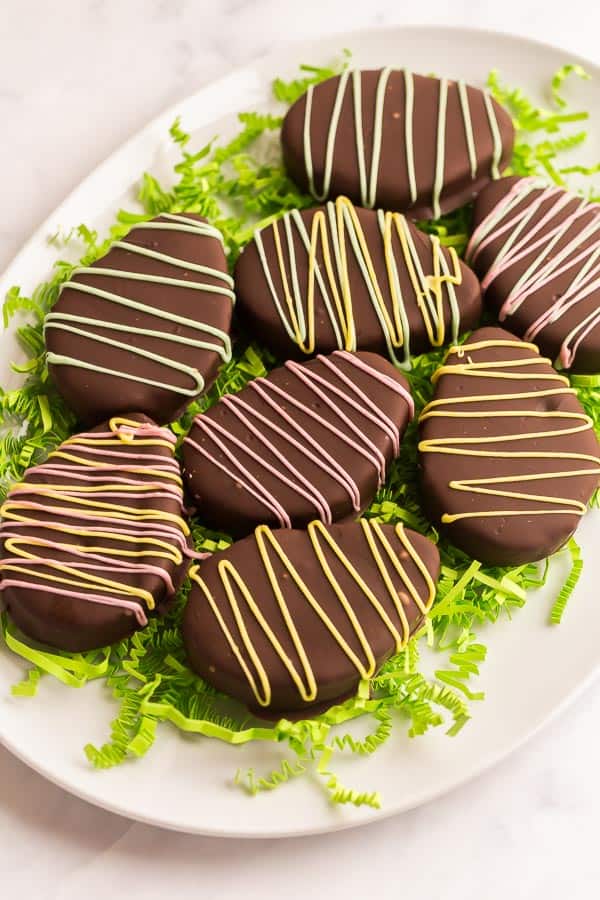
<point x="176" y="109"/>
<point x="379" y="815"/>
<point x="158" y="126"/>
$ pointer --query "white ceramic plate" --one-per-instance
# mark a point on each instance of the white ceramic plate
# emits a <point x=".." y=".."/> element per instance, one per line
<point x="533" y="669"/>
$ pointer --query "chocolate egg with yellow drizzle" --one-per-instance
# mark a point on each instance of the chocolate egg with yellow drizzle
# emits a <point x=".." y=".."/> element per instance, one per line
<point x="509" y="459"/>
<point x="340" y="277"/>
<point x="289" y="622"/>
<point x="390" y="138"/>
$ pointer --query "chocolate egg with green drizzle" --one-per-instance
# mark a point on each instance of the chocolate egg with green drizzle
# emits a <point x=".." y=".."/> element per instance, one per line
<point x="94" y="541"/>
<point x="340" y="277"/>
<point x="147" y="326"/>
<point x="311" y="440"/>
<point x="389" y="138"/>
<point x="509" y="458"/>
<point x="289" y="622"/>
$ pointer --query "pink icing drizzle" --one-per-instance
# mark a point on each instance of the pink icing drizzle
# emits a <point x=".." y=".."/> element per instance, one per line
<point x="480" y="237"/>
<point x="299" y="438"/>
<point x="549" y="265"/>
<point x="151" y="530"/>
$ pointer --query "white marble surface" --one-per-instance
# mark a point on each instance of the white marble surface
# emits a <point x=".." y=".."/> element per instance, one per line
<point x="76" y="79"/>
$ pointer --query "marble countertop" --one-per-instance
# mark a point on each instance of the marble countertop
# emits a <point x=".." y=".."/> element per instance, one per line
<point x="76" y="79"/>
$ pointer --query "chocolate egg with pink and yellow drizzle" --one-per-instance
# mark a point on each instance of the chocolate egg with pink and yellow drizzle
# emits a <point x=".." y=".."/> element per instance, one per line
<point x="386" y="137"/>
<point x="93" y="541"/>
<point x="311" y="440"/>
<point x="536" y="248"/>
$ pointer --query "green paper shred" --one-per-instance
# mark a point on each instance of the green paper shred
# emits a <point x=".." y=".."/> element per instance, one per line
<point x="238" y="185"/>
<point x="290" y="91"/>
<point x="586" y="381"/>
<point x="74" y="670"/>
<point x="560" y="76"/>
<point x="274" y="779"/>
<point x="340" y="794"/>
<point x="570" y="584"/>
<point x="531" y="155"/>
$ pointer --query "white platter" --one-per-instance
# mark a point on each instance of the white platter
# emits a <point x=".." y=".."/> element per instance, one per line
<point x="186" y="783"/>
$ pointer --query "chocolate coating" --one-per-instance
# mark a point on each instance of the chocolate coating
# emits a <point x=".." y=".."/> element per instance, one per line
<point x="336" y="677"/>
<point x="70" y="623"/>
<point x="95" y="395"/>
<point x="226" y="495"/>
<point x="259" y="314"/>
<point x="532" y="242"/>
<point x="505" y="538"/>
<point x="393" y="189"/>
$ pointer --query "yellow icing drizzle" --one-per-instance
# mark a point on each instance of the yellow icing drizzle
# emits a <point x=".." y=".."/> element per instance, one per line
<point x="321" y="542"/>
<point x="68" y="501"/>
<point x="475" y="446"/>
<point x="433" y="282"/>
<point x="349" y="236"/>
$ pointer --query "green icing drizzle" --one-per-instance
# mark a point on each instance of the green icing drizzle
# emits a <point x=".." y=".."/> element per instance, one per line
<point x="331" y="280"/>
<point x="409" y="102"/>
<point x="440" y="155"/>
<point x="497" y="139"/>
<point x="469" y="137"/>
<point x="333" y="125"/>
<point x="368" y="180"/>
<point x="84" y="326"/>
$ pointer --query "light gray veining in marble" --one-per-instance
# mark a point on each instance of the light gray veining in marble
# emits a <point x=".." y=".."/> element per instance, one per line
<point x="76" y="79"/>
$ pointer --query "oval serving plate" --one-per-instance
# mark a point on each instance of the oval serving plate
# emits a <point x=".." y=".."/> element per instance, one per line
<point x="197" y="796"/>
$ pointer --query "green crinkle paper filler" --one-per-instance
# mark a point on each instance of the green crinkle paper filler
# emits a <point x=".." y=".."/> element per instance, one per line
<point x="570" y="584"/>
<point x="586" y="381"/>
<point x="253" y="784"/>
<point x="74" y="670"/>
<point x="538" y="157"/>
<point x="560" y="76"/>
<point x="240" y="186"/>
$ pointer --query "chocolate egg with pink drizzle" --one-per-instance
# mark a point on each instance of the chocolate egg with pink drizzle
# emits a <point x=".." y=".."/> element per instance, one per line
<point x="312" y="440"/>
<point x="536" y="248"/>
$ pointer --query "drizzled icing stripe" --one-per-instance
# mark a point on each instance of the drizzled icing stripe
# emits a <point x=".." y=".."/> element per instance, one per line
<point x="336" y="232"/>
<point x="209" y="337"/>
<point x="98" y="483"/>
<point x="283" y="424"/>
<point x="409" y="102"/>
<point x="368" y="179"/>
<point x="496" y="136"/>
<point x="247" y="609"/>
<point x="466" y="114"/>
<point x="560" y="423"/>
<point x="512" y="220"/>
<point x="440" y="150"/>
